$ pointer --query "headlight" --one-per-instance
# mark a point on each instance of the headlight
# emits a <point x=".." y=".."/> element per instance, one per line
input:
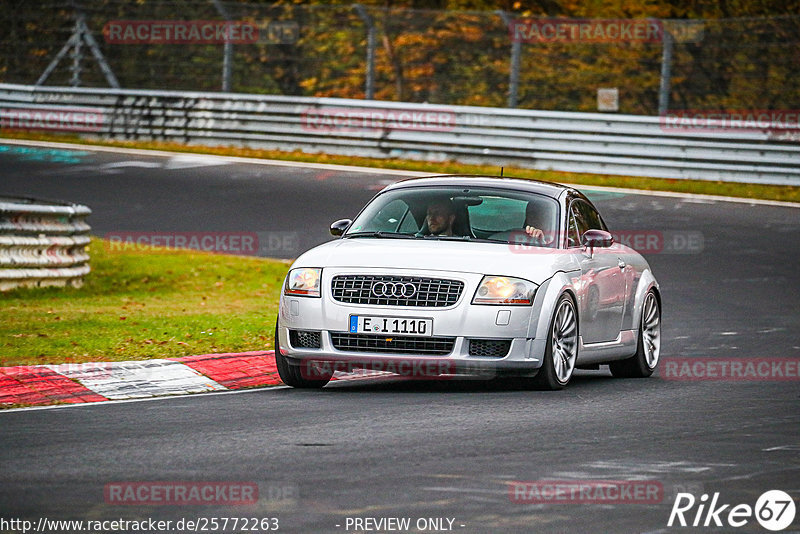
<point x="304" y="281"/>
<point x="505" y="290"/>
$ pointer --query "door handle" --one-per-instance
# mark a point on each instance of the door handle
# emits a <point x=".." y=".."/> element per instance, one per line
<point x="621" y="263"/>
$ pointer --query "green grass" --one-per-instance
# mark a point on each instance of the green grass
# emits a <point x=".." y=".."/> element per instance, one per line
<point x="760" y="191"/>
<point x="136" y="305"/>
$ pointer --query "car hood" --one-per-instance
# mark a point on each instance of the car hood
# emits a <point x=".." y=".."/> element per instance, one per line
<point x="532" y="263"/>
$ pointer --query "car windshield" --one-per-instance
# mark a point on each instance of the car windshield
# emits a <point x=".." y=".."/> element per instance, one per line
<point x="460" y="213"/>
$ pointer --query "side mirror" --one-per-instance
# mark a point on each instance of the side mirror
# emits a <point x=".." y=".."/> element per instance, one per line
<point x="597" y="238"/>
<point x="340" y="226"/>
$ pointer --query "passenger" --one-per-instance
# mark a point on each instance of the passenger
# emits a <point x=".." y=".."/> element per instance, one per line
<point x="536" y="229"/>
<point x="534" y="226"/>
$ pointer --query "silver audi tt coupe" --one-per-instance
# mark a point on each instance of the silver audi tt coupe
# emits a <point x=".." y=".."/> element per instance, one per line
<point x="470" y="275"/>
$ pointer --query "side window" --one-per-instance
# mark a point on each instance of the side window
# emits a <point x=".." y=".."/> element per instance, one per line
<point x="582" y="217"/>
<point x="577" y="226"/>
<point x="590" y="215"/>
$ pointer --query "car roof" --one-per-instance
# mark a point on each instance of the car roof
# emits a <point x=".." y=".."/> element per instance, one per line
<point x="550" y="189"/>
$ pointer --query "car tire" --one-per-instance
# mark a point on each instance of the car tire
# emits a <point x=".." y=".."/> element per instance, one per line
<point x="648" y="346"/>
<point x="561" y="350"/>
<point x="291" y="375"/>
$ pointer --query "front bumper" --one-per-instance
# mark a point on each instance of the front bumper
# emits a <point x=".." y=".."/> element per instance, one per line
<point x="463" y="321"/>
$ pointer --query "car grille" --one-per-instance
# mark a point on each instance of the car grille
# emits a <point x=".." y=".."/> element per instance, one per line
<point x="427" y="292"/>
<point x="395" y="344"/>
<point x="493" y="348"/>
<point x="303" y="339"/>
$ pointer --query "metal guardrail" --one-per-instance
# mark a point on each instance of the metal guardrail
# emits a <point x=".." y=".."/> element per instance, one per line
<point x="600" y="143"/>
<point x="42" y="243"/>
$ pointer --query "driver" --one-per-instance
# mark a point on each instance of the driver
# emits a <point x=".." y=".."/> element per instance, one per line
<point x="440" y="217"/>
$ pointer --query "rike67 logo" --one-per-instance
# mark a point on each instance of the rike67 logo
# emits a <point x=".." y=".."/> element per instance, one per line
<point x="774" y="510"/>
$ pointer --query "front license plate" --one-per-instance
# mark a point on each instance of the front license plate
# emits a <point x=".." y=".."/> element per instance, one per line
<point x="368" y="324"/>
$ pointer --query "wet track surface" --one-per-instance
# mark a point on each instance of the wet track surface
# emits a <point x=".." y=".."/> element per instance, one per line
<point x="728" y="273"/>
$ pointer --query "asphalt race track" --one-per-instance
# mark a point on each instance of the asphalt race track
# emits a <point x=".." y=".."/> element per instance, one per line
<point x="394" y="449"/>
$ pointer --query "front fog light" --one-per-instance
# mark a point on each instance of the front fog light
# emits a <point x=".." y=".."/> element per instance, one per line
<point x="505" y="290"/>
<point x="304" y="281"/>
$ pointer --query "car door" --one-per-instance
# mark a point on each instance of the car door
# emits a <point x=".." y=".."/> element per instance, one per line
<point x="602" y="299"/>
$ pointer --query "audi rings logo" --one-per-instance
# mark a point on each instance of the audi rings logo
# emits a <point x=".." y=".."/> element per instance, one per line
<point x="394" y="289"/>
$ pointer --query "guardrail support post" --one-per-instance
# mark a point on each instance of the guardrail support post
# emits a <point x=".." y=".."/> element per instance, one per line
<point x="369" y="89"/>
<point x="516" y="52"/>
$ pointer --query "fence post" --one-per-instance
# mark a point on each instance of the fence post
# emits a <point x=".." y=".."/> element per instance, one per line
<point x="98" y="56"/>
<point x="80" y="35"/>
<point x="516" y="51"/>
<point x="369" y="90"/>
<point x="77" y="54"/>
<point x="666" y="71"/>
<point x="227" y="53"/>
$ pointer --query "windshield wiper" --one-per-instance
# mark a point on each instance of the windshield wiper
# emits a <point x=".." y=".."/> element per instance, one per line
<point x="449" y="237"/>
<point x="394" y="235"/>
<point x="465" y="238"/>
<point x="390" y="235"/>
<point x="487" y="240"/>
